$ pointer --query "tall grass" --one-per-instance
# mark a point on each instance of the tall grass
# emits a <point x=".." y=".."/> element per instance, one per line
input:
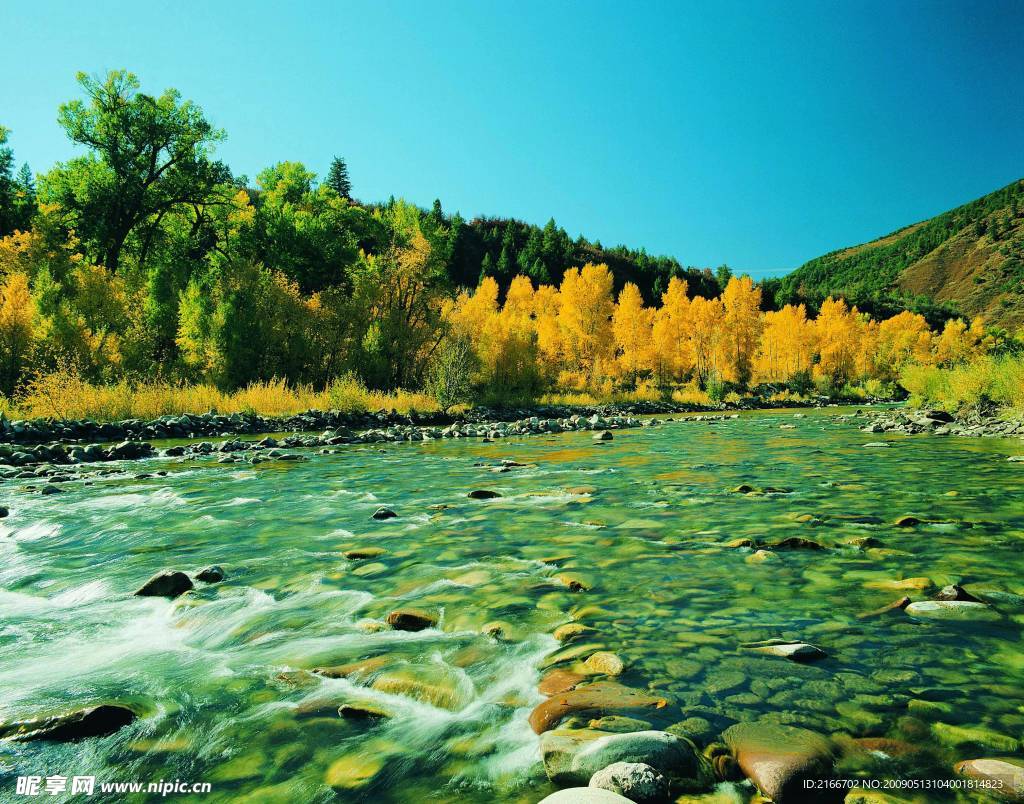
<point x="64" y="395"/>
<point x="984" y="382"/>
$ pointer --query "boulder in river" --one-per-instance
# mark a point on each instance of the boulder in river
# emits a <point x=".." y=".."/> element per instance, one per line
<point x="1006" y="774"/>
<point x="96" y="721"/>
<point x="605" y="663"/>
<point x="384" y="513"/>
<point x="483" y="494"/>
<point x="573" y="756"/>
<point x="211" y="574"/>
<point x="599" y="698"/>
<point x="169" y="583"/>
<point x="955" y="592"/>
<point x="4" y="512"/>
<point x="779" y="759"/>
<point x="604" y="435"/>
<point x="962" y="610"/>
<point x="410" y="620"/>
<point x="637" y="781"/>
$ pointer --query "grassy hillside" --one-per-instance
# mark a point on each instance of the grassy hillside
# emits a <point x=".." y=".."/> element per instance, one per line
<point x="969" y="260"/>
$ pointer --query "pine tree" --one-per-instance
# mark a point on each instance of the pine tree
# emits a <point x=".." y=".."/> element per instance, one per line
<point x="337" y="178"/>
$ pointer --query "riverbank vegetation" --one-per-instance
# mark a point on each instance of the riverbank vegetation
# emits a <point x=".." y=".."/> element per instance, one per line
<point x="988" y="383"/>
<point x="144" y="277"/>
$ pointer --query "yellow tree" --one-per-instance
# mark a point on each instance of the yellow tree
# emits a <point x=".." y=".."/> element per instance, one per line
<point x="546" y="304"/>
<point x="742" y="328"/>
<point x="706" y="319"/>
<point x="673" y="355"/>
<point x="901" y="339"/>
<point x="787" y="343"/>
<point x="585" y="318"/>
<point x="958" y="343"/>
<point x="836" y="331"/>
<point x="631" y="326"/>
<point x="16" y="332"/>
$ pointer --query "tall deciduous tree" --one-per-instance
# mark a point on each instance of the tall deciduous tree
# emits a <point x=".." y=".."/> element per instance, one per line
<point x="148" y="157"/>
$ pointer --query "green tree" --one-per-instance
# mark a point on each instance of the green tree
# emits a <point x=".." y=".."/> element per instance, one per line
<point x="148" y="157"/>
<point x="338" y="179"/>
<point x="450" y="372"/>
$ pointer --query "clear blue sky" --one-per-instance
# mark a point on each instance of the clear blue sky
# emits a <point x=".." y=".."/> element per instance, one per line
<point x="757" y="134"/>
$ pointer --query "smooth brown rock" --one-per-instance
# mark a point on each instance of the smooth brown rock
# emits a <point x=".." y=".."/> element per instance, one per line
<point x="559" y="680"/>
<point x="896" y="605"/>
<point x="779" y="759"/>
<point x="599" y="698"/>
<point x="410" y="620"/>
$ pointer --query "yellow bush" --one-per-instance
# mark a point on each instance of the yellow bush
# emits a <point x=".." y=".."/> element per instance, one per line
<point x="63" y="394"/>
<point x="984" y="381"/>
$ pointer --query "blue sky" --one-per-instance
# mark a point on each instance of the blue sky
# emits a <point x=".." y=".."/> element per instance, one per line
<point x="757" y="134"/>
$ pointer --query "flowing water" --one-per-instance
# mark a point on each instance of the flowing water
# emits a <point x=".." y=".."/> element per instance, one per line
<point x="221" y="674"/>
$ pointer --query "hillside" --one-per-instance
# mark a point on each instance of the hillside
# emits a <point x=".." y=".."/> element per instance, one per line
<point x="969" y="260"/>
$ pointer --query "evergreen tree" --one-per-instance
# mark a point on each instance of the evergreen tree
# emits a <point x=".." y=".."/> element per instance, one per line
<point x="7" y="186"/>
<point x="486" y="268"/>
<point x="338" y="179"/>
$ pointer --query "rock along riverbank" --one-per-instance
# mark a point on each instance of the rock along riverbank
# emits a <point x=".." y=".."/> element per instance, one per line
<point x="941" y="423"/>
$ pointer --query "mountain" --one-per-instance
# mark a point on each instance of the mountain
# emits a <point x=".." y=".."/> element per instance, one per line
<point x="968" y="261"/>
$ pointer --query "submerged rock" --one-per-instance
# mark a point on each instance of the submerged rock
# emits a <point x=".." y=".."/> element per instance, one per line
<point x="778" y="759"/>
<point x="354" y="771"/>
<point x="955" y="592"/>
<point x="964" y="610"/>
<point x="169" y="583"/>
<point x="599" y="698"/>
<point x="604" y="663"/>
<point x="410" y="620"/>
<point x="96" y="721"/>
<point x="637" y="781"/>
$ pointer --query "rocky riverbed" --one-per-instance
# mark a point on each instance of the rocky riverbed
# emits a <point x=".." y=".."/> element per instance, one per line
<point x="510" y="612"/>
<point x="940" y="423"/>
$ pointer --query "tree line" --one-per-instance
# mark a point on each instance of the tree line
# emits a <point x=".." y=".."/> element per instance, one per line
<point x="146" y="257"/>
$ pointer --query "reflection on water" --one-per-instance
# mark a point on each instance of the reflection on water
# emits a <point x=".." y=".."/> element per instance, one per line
<point x="222" y="674"/>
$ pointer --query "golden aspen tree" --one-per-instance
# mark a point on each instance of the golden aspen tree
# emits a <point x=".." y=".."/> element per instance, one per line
<point x="631" y="327"/>
<point x="787" y="343"/>
<point x="742" y="328"/>
<point x="17" y="310"/>
<point x="836" y="336"/>
<point x="585" y="319"/>
<point x="706" y="319"/>
<point x="901" y="339"/>
<point x="546" y="304"/>
<point x="673" y="355"/>
<point x="519" y="299"/>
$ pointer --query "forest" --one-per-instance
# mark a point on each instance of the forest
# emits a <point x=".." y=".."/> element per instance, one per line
<point x="147" y="260"/>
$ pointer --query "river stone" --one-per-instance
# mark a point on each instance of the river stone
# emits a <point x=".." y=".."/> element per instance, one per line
<point x="961" y="610"/>
<point x="354" y="771"/>
<point x="362" y="553"/>
<point x="795" y="651"/>
<point x="955" y="592"/>
<point x="169" y="583"/>
<point x="483" y="494"/>
<point x="604" y="663"/>
<point x="1006" y="770"/>
<point x="604" y="435"/>
<point x="569" y="631"/>
<point x="620" y="724"/>
<point x="779" y="758"/>
<point x="636" y="781"/>
<point x="384" y="513"/>
<point x="599" y="698"/>
<point x="559" y="680"/>
<point x="436" y="685"/>
<point x="212" y="574"/>
<point x="584" y="795"/>
<point x="961" y="735"/>
<point x="96" y="721"/>
<point x="410" y="620"/>
<point x="572" y="756"/>
<point x="4" y="512"/>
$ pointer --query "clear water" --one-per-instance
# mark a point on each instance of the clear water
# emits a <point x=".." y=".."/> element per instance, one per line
<point x="642" y="520"/>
